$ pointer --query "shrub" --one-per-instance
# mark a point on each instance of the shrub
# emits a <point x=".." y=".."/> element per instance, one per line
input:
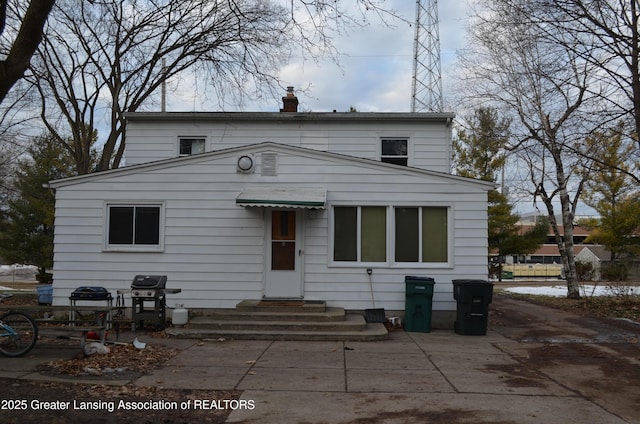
<point x="584" y="271"/>
<point x="615" y="272"/>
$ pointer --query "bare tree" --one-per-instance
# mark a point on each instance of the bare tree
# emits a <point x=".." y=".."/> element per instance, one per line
<point x="548" y="89"/>
<point x="20" y="34"/>
<point x="605" y="33"/>
<point x="102" y="59"/>
<point x="16" y="130"/>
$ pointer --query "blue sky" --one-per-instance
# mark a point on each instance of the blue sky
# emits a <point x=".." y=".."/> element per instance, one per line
<point x="376" y="67"/>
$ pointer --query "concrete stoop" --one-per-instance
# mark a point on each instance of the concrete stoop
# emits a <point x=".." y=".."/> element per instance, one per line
<point x="259" y="320"/>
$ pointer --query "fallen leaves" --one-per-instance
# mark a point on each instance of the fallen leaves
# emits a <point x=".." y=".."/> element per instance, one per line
<point x="120" y="359"/>
<point x="604" y="306"/>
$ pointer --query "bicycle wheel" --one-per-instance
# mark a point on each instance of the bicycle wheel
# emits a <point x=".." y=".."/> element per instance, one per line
<point x="21" y="335"/>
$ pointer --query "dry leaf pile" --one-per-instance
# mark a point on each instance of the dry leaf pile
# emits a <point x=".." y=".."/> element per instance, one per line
<point x="120" y="359"/>
<point x="604" y="306"/>
<point x="20" y="299"/>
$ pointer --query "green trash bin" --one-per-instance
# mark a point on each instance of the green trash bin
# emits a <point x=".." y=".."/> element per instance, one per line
<point x="418" y="301"/>
<point x="507" y="275"/>
<point x="473" y="299"/>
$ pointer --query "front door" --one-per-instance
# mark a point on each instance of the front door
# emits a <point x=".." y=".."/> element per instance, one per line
<point x="284" y="253"/>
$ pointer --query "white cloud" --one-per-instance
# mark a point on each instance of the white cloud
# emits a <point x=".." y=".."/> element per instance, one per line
<point x="375" y="67"/>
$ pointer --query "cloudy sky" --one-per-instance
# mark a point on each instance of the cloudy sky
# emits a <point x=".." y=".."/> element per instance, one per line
<point x="376" y="67"/>
<point x="377" y="63"/>
<point x="374" y="76"/>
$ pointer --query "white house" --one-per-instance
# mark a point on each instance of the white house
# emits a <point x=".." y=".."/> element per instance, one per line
<point x="237" y="206"/>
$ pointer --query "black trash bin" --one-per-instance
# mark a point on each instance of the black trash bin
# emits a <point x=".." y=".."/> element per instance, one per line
<point x="473" y="299"/>
<point x="418" y="301"/>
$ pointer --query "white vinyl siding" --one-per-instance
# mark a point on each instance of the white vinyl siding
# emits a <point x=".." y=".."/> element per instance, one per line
<point x="214" y="250"/>
<point x="428" y="142"/>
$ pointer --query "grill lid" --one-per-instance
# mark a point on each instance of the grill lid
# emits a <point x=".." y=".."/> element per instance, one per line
<point x="90" y="293"/>
<point x="149" y="282"/>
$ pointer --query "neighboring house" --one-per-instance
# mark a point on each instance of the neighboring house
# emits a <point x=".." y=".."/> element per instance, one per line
<point x="547" y="262"/>
<point x="600" y="258"/>
<point x="595" y="255"/>
<point x="549" y="253"/>
<point x="237" y="206"/>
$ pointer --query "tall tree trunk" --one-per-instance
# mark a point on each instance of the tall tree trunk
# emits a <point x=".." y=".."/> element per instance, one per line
<point x="564" y="240"/>
<point x="17" y="61"/>
<point x="569" y="259"/>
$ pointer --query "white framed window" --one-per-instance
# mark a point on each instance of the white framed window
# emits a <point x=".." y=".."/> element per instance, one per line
<point x="134" y="226"/>
<point x="421" y="234"/>
<point x="360" y="234"/>
<point x="390" y="236"/>
<point x="191" y="145"/>
<point x="395" y="150"/>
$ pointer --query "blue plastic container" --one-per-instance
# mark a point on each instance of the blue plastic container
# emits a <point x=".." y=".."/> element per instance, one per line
<point x="45" y="294"/>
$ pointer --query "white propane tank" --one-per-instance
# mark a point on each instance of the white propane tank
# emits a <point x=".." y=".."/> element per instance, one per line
<point x="180" y="316"/>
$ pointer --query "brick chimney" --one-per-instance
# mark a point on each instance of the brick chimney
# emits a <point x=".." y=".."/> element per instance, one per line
<point x="290" y="101"/>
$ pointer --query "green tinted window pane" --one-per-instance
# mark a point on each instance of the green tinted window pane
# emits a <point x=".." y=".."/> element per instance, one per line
<point x="434" y="235"/>
<point x="407" y="237"/>
<point x="373" y="236"/>
<point x="345" y="237"/>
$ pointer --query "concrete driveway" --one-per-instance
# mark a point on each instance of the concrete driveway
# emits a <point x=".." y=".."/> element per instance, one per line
<point x="535" y="365"/>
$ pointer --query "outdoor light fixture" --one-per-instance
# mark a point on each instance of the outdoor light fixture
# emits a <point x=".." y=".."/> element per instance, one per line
<point x="246" y="164"/>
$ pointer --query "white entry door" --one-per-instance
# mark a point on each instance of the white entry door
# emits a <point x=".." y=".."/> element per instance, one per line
<point x="284" y="254"/>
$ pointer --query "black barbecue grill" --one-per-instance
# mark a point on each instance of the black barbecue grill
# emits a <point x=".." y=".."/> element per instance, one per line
<point x="90" y="293"/>
<point x="148" y="299"/>
<point x="148" y="287"/>
<point x="93" y="294"/>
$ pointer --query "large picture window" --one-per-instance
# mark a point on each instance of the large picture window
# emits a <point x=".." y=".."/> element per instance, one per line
<point x="360" y="234"/>
<point x="133" y="225"/>
<point x="421" y="234"/>
<point x="392" y="235"/>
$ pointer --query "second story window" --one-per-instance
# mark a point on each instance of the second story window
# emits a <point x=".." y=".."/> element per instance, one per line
<point x="191" y="145"/>
<point x="395" y="150"/>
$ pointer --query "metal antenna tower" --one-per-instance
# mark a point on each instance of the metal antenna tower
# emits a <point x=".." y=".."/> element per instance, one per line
<point x="426" y="86"/>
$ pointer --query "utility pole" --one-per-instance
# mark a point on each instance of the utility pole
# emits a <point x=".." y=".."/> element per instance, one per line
<point x="426" y="90"/>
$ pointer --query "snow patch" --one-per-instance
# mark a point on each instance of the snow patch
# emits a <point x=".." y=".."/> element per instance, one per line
<point x="18" y="269"/>
<point x="3" y="288"/>
<point x="560" y="291"/>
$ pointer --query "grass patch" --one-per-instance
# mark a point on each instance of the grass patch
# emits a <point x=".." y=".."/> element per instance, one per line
<point x="627" y="306"/>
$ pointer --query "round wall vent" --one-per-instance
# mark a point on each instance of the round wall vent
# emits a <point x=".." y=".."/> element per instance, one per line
<point x="246" y="164"/>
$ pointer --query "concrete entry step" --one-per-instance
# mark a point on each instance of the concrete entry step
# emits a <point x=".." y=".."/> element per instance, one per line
<point x="262" y="321"/>
<point x="281" y="319"/>
<point x="248" y="314"/>
<point x="282" y="305"/>
<point x="370" y="332"/>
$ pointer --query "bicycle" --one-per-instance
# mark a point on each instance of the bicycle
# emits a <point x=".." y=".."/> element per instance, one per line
<point x="18" y="332"/>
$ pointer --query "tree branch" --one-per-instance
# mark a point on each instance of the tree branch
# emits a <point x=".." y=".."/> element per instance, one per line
<point x="13" y="67"/>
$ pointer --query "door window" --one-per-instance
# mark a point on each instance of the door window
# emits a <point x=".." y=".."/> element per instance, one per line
<point x="283" y="240"/>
